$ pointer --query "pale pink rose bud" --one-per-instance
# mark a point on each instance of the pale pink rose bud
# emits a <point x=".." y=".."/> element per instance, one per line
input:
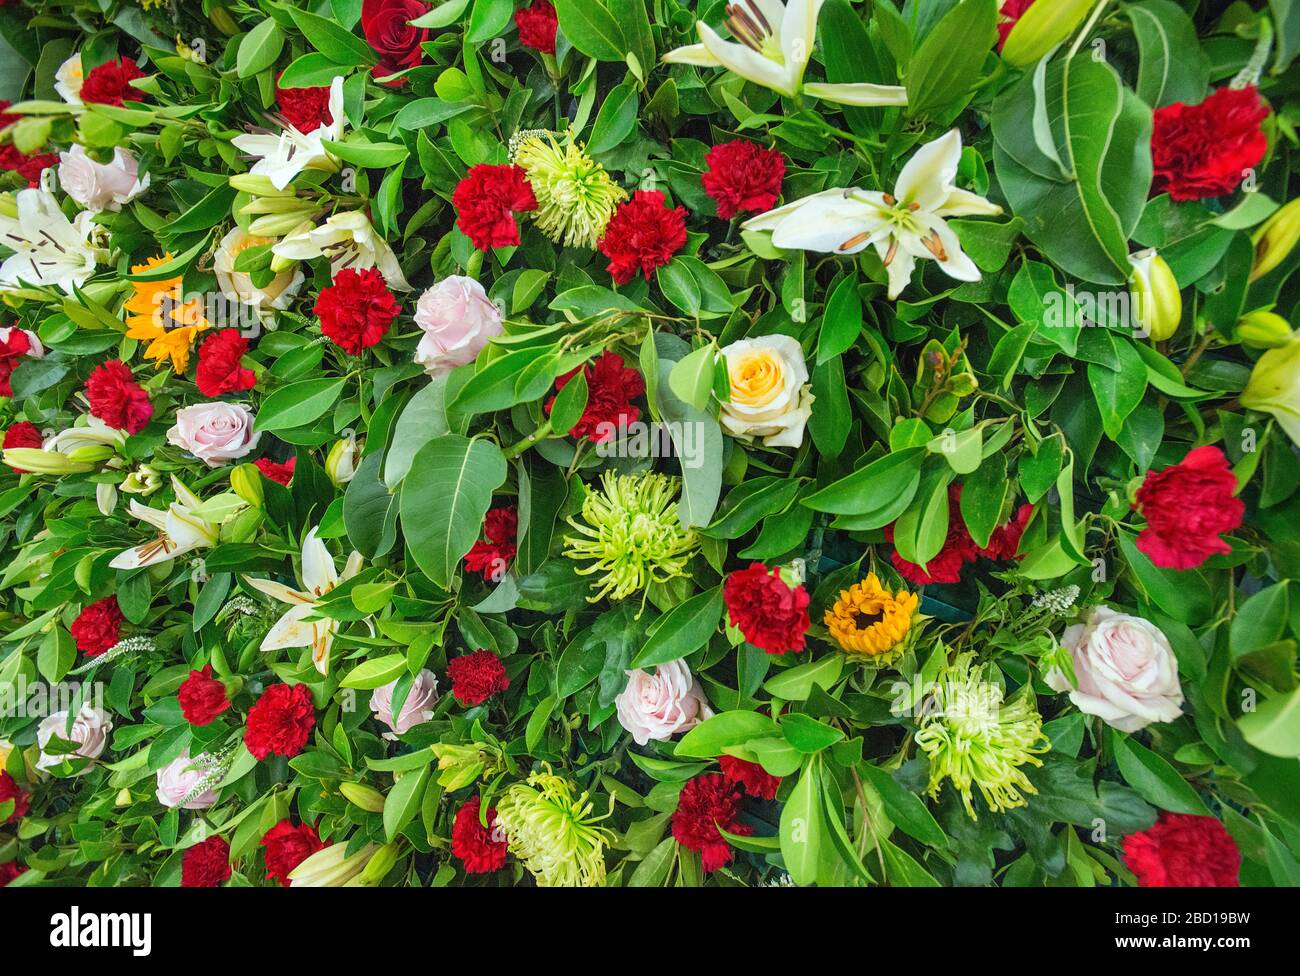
<point x="417" y="709"/>
<point x="214" y="432"/>
<point x="458" y="320"/>
<point x="100" y="186"/>
<point x="89" y="731"/>
<point x="178" y="779"/>
<point x="659" y="706"/>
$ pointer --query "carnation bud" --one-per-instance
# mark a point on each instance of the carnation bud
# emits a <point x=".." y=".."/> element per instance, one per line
<point x="1275" y="239"/>
<point x="1262" y="329"/>
<point x="246" y="482"/>
<point x="379" y="865"/>
<point x="340" y="464"/>
<point x="364" y="797"/>
<point x="1040" y="28"/>
<point x="1159" y="304"/>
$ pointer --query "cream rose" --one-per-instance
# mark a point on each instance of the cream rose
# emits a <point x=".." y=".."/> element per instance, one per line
<point x="770" y="394"/>
<point x="458" y="320"/>
<point x="214" y="432"/>
<point x="100" y="186"/>
<point x="89" y="731"/>
<point x="417" y="709"/>
<point x="1124" y="669"/>
<point x="659" y="706"/>
<point x="178" y="779"/>
<point x="69" y="79"/>
<point x="238" y="285"/>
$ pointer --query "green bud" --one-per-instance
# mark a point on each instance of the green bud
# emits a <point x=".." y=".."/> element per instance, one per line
<point x="1262" y="329"/>
<point x="246" y="482"/>
<point x="1275" y="239"/>
<point x="275" y="225"/>
<point x="1040" y="28"/>
<point x="380" y="863"/>
<point x="364" y="797"/>
<point x="1159" y="304"/>
<point x="258" y="184"/>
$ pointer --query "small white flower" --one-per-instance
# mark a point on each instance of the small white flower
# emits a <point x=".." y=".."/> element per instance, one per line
<point x="48" y="248"/>
<point x="179" y="531"/>
<point x="349" y="241"/>
<point x="281" y="158"/>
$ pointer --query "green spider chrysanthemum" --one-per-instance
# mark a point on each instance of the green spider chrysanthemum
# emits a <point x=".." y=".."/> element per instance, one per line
<point x="973" y="737"/>
<point x="632" y="533"/>
<point x="575" y="196"/>
<point x="553" y="832"/>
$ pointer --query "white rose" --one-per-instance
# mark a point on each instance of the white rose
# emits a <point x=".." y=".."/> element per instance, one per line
<point x="1124" y="669"/>
<point x="417" y="709"/>
<point x="458" y="320"/>
<point x="238" y="285"/>
<point x="177" y="780"/>
<point x="100" y="186"/>
<point x="770" y="394"/>
<point x="89" y="731"/>
<point x="659" y="706"/>
<point x="214" y="432"/>
<point x="69" y="79"/>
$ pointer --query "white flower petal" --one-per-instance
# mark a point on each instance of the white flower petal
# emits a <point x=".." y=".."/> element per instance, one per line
<point x="750" y="65"/>
<point x="927" y="178"/>
<point x="863" y="94"/>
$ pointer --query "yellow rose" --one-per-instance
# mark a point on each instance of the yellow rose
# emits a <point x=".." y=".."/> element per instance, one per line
<point x="770" y="395"/>
<point x="238" y="285"/>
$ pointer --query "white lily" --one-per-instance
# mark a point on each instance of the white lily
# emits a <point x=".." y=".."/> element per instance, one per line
<point x="332" y="867"/>
<point x="179" y="531"/>
<point x="903" y="226"/>
<point x="48" y="248"/>
<point x="319" y="577"/>
<point x="349" y="241"/>
<point x="775" y="44"/>
<point x="282" y="157"/>
<point x="89" y="432"/>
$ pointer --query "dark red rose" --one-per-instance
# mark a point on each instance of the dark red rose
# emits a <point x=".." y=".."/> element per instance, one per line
<point x="958" y="550"/>
<point x="356" y="310"/>
<point x="219" y="370"/>
<point x="97" y="627"/>
<point x="610" y="389"/>
<point x="486" y="202"/>
<point x="492" y="558"/>
<point x="1183" y="851"/>
<point x="10" y="790"/>
<point x="287" y="846"/>
<point x="206" y="864"/>
<point x="386" y="24"/>
<point x="753" y="778"/>
<point x="1011" y="11"/>
<point x="1005" y="539"/>
<point x="306" y="109"/>
<point x="473" y="843"/>
<point x="280" y="721"/>
<point x="537" y="25"/>
<point x="109" y="84"/>
<point x="1187" y="506"/>
<point x="29" y="167"/>
<point x="280" y="473"/>
<point x="117" y="399"/>
<point x="643" y="235"/>
<point x="9" y="872"/>
<point x="770" y="613"/>
<point x="202" y="697"/>
<point x="743" y="177"/>
<point x="22" y="434"/>
<point x="1205" y="150"/>
<point x="707" y="803"/>
<point x="477" y="677"/>
<point x="13" y="347"/>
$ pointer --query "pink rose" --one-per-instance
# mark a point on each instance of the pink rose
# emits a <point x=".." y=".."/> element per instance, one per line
<point x="458" y="320"/>
<point x="178" y="779"/>
<point x="100" y="186"/>
<point x="659" y="706"/>
<point x="89" y="731"/>
<point x="214" y="432"/>
<point x="417" y="708"/>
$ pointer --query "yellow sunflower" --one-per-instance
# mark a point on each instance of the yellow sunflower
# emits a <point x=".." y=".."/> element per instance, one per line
<point x="162" y="318"/>
<point x="868" y="619"/>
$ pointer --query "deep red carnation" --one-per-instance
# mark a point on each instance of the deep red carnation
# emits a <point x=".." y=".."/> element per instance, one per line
<point x="386" y="24"/>
<point x="356" y="310"/>
<point x="202" y="697"/>
<point x="643" y="234"/>
<point x="743" y="177"/>
<point x="10" y="790"/>
<point x="206" y="864"/>
<point x="219" y="370"/>
<point x="477" y="677"/>
<point x="753" y="778"/>
<point x="1183" y="851"/>
<point x="117" y="399"/>
<point x="492" y="558"/>
<point x="108" y="84"/>
<point x="1187" y="506"/>
<point x="280" y="721"/>
<point x="1005" y="539"/>
<point x="1205" y="150"/>
<point x="280" y="473"/>
<point x="22" y="434"/>
<point x="1011" y="11"/>
<point x="97" y="627"/>
<point x="707" y="803"/>
<point x="9" y="872"/>
<point x="7" y="118"/>
<point x="486" y="202"/>
<point x="13" y="347"/>
<point x="610" y="389"/>
<point x="537" y="25"/>
<point x="29" y="167"/>
<point x="287" y="846"/>
<point x="958" y="549"/>
<point x="474" y="844"/>
<point x="306" y="109"/>
<point x="770" y="613"/>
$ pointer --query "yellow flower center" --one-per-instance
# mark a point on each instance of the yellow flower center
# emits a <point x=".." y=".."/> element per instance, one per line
<point x="757" y="377"/>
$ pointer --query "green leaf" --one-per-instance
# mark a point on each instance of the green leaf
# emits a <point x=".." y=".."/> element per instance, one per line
<point x="298" y="404"/>
<point x="682" y="630"/>
<point x="591" y="28"/>
<point x="1261" y="620"/>
<point x="841" y="321"/>
<point x="653" y="870"/>
<point x="259" y="49"/>
<point x="807" y="734"/>
<point x="905" y="808"/>
<point x="1173" y="66"/>
<point x="339" y="45"/>
<point x="570" y="403"/>
<point x="797" y="683"/>
<point x="376" y="672"/>
<point x="691" y="379"/>
<point x="713" y="736"/>
<point x="403" y="801"/>
<point x="874" y="489"/>
<point x="488" y="19"/>
<point x="1274" y="725"/>
<point x="370" y="155"/>
<point x="950" y="59"/>
<point x="1157" y="781"/>
<point x="801" y="826"/>
<point x="615" y="120"/>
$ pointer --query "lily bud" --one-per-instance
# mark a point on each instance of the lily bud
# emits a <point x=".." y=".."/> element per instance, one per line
<point x="8" y="206"/>
<point x="277" y="205"/>
<point x="341" y="462"/>
<point x="1158" y="304"/>
<point x="275" y="225"/>
<point x="1040" y="28"/>
<point x="370" y="800"/>
<point x="144" y="480"/>
<point x="37" y="461"/>
<point x="246" y="482"/>
<point x="258" y="184"/>
<point x="279" y="262"/>
<point x="106" y="498"/>
<point x="90" y="453"/>
<point x="222" y="21"/>
<point x="379" y="865"/>
<point x="123" y="798"/>
<point x="1274" y="387"/>
<point x="1263" y="329"/>
<point x="1275" y="239"/>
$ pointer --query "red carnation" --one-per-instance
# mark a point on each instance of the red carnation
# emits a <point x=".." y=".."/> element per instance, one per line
<point x="97" y="627"/>
<point x="288" y="846"/>
<point x="9" y="872"/>
<point x="1205" y="150"/>
<point x="1183" y="851"/>
<point x="108" y="84"/>
<point x="707" y="803"/>
<point x="1005" y="540"/>
<point x="13" y="346"/>
<point x="202" y="697"/>
<point x="477" y="677"/>
<point x="117" y="399"/>
<point x="306" y="109"/>
<point x="1187" y="506"/>
<point x="356" y="310"/>
<point x="28" y="167"/>
<point x="22" y="434"/>
<point x="206" y="864"/>
<point x="280" y="473"/>
<point x="537" y="25"/>
<point x="9" y="790"/>
<point x="219" y="370"/>
<point x="770" y="613"/>
<point x="753" y="778"/>
<point x="743" y="177"/>
<point x="386" y="24"/>
<point x="477" y="846"/>
<point x="492" y="558"/>
<point x="610" y="389"/>
<point x="958" y="550"/>
<point x="486" y="202"/>
<point x="1011" y="12"/>
<point x="643" y="234"/>
<point x="280" y="721"/>
<point x="7" y="118"/>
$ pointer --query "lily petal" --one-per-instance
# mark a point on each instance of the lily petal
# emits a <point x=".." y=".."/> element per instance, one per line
<point x="927" y="178"/>
<point x="798" y="35"/>
<point x="696" y="54"/>
<point x="278" y="591"/>
<point x="750" y="65"/>
<point x="866" y="95"/>
<point x="291" y="630"/>
<point x="899" y="267"/>
<point x="318" y="573"/>
<point x="963" y="203"/>
<point x="771" y="219"/>
<point x="830" y="226"/>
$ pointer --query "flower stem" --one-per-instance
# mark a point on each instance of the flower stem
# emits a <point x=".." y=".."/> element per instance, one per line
<point x="541" y="433"/>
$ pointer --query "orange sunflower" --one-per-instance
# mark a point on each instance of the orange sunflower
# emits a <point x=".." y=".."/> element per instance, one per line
<point x="162" y="318"/>
<point x="868" y="619"/>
